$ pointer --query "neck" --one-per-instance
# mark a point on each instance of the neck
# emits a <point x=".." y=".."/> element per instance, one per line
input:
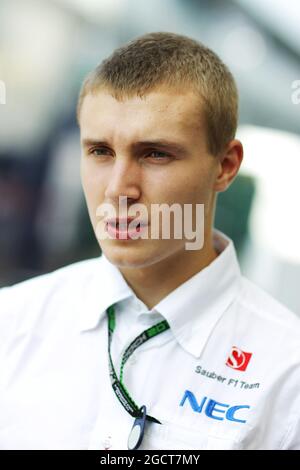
<point x="152" y="283"/>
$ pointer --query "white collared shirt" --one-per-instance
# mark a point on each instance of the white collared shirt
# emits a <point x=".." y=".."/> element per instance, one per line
<point x="226" y="375"/>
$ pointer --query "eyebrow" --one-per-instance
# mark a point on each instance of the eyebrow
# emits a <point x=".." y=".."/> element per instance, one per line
<point x="162" y="143"/>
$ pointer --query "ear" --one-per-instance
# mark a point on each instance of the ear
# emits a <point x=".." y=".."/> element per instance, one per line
<point x="228" y="166"/>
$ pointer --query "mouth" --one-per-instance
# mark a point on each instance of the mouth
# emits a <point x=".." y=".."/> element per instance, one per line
<point x="119" y="228"/>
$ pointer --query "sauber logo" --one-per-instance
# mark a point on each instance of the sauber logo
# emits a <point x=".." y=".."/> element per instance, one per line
<point x="238" y="359"/>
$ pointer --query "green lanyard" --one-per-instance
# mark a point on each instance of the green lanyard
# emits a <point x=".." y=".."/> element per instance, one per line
<point x="117" y="384"/>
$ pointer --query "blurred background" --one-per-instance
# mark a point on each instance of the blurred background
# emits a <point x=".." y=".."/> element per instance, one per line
<point x="46" y="49"/>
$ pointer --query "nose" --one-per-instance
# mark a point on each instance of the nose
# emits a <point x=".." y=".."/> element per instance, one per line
<point x="123" y="180"/>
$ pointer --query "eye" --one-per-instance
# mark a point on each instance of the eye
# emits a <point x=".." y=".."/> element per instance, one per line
<point x="159" y="155"/>
<point x="98" y="151"/>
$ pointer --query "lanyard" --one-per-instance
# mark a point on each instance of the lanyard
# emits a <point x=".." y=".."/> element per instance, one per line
<point x="139" y="413"/>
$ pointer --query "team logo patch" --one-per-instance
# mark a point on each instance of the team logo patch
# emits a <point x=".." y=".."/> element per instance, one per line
<point x="214" y="409"/>
<point x="238" y="359"/>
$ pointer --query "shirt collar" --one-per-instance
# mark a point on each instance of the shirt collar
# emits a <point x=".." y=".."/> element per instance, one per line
<point x="192" y="309"/>
<point x="105" y="286"/>
<point x="195" y="307"/>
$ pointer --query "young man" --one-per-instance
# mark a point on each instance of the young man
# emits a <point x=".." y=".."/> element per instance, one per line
<point x="154" y="344"/>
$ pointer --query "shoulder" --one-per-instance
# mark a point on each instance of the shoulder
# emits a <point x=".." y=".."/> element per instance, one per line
<point x="266" y="316"/>
<point x="59" y="278"/>
<point x="264" y="305"/>
<point x="22" y="303"/>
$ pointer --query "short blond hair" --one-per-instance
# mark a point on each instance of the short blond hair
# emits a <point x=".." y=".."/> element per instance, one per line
<point x="176" y="61"/>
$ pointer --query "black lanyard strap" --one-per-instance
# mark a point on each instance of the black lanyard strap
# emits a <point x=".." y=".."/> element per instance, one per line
<point x="117" y="384"/>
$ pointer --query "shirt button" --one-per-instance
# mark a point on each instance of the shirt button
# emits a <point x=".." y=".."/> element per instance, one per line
<point x="149" y="319"/>
<point x="106" y="442"/>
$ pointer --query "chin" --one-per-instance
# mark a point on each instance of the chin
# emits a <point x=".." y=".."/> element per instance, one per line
<point x="132" y="256"/>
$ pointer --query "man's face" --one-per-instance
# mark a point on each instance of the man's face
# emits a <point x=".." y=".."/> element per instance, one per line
<point x="128" y="163"/>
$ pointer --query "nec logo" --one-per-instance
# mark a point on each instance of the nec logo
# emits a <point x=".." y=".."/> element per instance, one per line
<point x="213" y="409"/>
<point x="238" y="359"/>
